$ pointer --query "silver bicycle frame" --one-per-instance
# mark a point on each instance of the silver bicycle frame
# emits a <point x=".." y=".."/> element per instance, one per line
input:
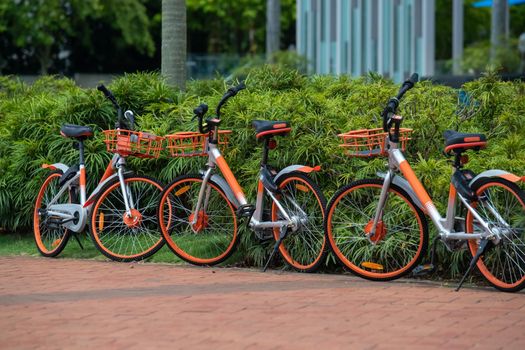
<point x="215" y="159"/>
<point x="66" y="211"/>
<point x="398" y="163"/>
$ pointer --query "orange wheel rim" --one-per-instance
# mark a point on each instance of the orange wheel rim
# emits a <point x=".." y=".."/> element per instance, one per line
<point x="473" y="244"/>
<point x="347" y="262"/>
<point x="36" y="219"/>
<point x="169" y="239"/>
<point x="94" y="218"/>
<point x="282" y="249"/>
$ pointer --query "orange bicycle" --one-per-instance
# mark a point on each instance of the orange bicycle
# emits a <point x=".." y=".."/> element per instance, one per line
<point x="121" y="211"/>
<point x="198" y="214"/>
<point x="378" y="228"/>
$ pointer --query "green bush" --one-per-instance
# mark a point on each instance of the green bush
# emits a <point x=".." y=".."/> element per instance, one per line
<point x="318" y="107"/>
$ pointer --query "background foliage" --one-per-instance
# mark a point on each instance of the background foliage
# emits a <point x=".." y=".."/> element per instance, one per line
<point x="318" y="107"/>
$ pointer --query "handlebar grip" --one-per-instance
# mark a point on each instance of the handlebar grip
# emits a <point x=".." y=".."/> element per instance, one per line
<point x="414" y="78"/>
<point x="105" y="91"/>
<point x="234" y="90"/>
<point x="201" y="110"/>
<point x="239" y="87"/>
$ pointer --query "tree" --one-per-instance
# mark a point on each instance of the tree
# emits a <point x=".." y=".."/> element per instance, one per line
<point x="236" y="26"/>
<point x="499" y="30"/>
<point x="173" y="64"/>
<point x="273" y="27"/>
<point x="42" y="29"/>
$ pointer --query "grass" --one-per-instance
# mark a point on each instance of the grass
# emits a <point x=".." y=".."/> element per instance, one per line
<point x="22" y="244"/>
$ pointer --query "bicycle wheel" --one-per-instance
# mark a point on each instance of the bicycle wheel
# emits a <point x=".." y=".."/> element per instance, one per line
<point x="213" y="236"/>
<point x="503" y="263"/>
<point x="50" y="237"/>
<point x="304" y="249"/>
<point x="127" y="238"/>
<point x="401" y="236"/>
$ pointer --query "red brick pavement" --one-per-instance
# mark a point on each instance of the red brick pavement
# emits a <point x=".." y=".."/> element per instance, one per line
<point x="75" y="304"/>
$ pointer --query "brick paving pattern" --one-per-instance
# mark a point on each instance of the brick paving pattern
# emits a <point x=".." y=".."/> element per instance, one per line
<point x="82" y="304"/>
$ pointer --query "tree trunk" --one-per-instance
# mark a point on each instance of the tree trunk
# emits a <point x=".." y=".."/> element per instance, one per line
<point x="273" y="27"/>
<point x="499" y="27"/>
<point x="173" y="65"/>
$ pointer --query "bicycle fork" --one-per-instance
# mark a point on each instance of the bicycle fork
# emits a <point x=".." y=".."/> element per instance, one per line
<point x="380" y="206"/>
<point x="126" y="192"/>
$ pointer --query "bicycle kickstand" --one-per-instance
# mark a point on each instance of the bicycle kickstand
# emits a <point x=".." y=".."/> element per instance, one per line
<point x="481" y="249"/>
<point x="282" y="235"/>
<point x="78" y="241"/>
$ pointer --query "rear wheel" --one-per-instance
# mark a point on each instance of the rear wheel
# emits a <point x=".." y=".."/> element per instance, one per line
<point x="304" y="249"/>
<point x="502" y="205"/>
<point x="123" y="236"/>
<point x="400" y="238"/>
<point x="205" y="238"/>
<point x="50" y="237"/>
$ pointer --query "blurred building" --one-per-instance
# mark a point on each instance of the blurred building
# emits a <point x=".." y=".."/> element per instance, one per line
<point x="391" y="37"/>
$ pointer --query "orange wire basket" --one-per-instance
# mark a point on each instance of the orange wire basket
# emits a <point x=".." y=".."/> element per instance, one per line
<point x="133" y="143"/>
<point x="193" y="144"/>
<point x="370" y="142"/>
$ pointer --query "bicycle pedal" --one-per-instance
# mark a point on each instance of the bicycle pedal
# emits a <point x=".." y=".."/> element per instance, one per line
<point x="245" y="211"/>
<point x="423" y="270"/>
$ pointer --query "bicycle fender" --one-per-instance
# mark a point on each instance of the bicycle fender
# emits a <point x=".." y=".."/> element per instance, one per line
<point x="496" y="173"/>
<point x="296" y="168"/>
<point x="403" y="183"/>
<point x="223" y="185"/>
<point x="56" y="166"/>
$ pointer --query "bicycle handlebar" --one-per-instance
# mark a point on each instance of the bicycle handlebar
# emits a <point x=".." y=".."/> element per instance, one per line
<point x="199" y="112"/>
<point x="202" y="109"/>
<point x="393" y="103"/>
<point x="230" y="93"/>
<point x="109" y="95"/>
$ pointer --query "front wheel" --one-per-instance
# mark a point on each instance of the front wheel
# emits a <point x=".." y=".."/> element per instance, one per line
<point x="502" y="205"/>
<point x="400" y="238"/>
<point x="123" y="236"/>
<point x="303" y="201"/>
<point x="204" y="237"/>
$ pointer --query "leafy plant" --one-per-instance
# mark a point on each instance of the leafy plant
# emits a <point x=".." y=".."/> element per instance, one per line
<point x="318" y="108"/>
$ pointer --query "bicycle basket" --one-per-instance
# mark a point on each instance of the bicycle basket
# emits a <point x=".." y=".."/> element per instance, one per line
<point x="193" y="144"/>
<point x="133" y="143"/>
<point x="370" y="142"/>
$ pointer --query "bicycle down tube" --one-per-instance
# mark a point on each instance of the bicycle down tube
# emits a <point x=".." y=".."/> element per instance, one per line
<point x="445" y="225"/>
<point x="216" y="159"/>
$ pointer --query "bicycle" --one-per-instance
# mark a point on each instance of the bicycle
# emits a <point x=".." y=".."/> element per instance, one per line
<point x="377" y="227"/>
<point x="121" y="210"/>
<point x="200" y="226"/>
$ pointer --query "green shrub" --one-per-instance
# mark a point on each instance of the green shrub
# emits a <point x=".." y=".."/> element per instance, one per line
<point x="318" y="107"/>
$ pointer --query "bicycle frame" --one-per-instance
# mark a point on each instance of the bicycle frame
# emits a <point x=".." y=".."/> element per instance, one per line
<point x="445" y="226"/>
<point x="115" y="168"/>
<point x="215" y="159"/>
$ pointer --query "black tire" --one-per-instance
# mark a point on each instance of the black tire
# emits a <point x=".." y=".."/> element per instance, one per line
<point x="58" y="237"/>
<point x="304" y="250"/>
<point x="503" y="263"/>
<point x="376" y="256"/>
<point x="144" y="235"/>
<point x="211" y="240"/>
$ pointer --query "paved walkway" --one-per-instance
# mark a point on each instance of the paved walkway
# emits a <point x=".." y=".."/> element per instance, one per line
<point x="74" y="304"/>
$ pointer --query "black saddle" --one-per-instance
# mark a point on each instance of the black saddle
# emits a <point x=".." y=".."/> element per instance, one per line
<point x="459" y="141"/>
<point x="76" y="131"/>
<point x="270" y="128"/>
